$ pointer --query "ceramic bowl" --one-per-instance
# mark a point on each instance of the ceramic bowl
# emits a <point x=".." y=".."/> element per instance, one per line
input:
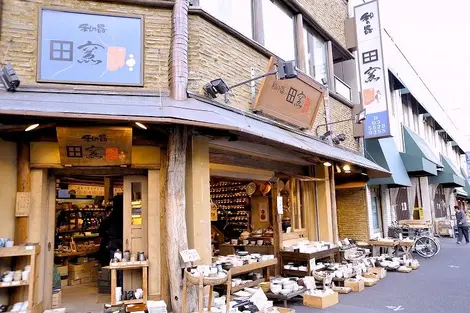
<point x="259" y="242"/>
<point x="276" y="289"/>
<point x="286" y="291"/>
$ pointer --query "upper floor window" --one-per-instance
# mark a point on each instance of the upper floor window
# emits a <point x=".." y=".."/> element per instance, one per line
<point x="315" y="55"/>
<point x="235" y="13"/>
<point x="278" y="28"/>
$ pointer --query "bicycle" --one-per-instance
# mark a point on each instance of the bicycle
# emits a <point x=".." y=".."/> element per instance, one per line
<point x="425" y="244"/>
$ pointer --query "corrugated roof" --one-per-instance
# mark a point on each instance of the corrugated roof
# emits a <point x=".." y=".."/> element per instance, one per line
<point x="160" y="110"/>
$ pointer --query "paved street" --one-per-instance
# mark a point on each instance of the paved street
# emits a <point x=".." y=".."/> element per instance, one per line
<point x="442" y="284"/>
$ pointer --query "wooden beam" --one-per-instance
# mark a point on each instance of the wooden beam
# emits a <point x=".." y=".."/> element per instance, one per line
<point x="23" y="185"/>
<point x="257" y="21"/>
<point x="176" y="229"/>
<point x="334" y="214"/>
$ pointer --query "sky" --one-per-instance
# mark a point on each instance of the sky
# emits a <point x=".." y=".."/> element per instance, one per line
<point x="435" y="37"/>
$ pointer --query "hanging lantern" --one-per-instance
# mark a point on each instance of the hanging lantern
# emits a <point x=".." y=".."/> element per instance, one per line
<point x="265" y="188"/>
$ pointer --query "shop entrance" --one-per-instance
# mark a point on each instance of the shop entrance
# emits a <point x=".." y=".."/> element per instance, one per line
<point x="95" y="217"/>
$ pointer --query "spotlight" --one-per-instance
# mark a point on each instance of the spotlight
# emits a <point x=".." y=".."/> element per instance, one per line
<point x="325" y="135"/>
<point x="362" y="173"/>
<point x="286" y="70"/>
<point x="326" y="163"/>
<point x="216" y="86"/>
<point x="31" y="127"/>
<point x="338" y="139"/>
<point x="141" y="125"/>
<point x="338" y="169"/>
<point x="9" y="78"/>
<point x="347" y="168"/>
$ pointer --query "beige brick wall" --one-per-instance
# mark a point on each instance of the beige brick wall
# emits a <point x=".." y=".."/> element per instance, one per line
<point x="352" y="213"/>
<point x="22" y="24"/>
<point x="330" y="14"/>
<point x="340" y="112"/>
<point x="213" y="53"/>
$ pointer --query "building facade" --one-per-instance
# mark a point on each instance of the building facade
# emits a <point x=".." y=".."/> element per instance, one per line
<point x="141" y="69"/>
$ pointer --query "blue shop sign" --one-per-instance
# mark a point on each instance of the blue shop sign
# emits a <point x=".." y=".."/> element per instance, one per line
<point x="89" y="48"/>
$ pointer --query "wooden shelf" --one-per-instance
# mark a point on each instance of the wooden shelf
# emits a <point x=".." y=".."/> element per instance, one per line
<point x="78" y="253"/>
<point x="135" y="301"/>
<point x="76" y="231"/>
<point x="248" y="285"/>
<point x="251" y="267"/>
<point x="14" y="284"/>
<point x="124" y="267"/>
<point x="294" y="273"/>
<point x="19" y="251"/>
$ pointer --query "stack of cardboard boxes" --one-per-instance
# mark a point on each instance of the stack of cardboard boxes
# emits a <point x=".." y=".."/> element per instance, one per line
<point x="80" y="273"/>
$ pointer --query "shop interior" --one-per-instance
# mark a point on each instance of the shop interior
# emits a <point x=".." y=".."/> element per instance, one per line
<point x="88" y="230"/>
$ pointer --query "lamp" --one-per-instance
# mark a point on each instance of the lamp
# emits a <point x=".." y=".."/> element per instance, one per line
<point x="284" y="70"/>
<point x="327" y="164"/>
<point x="141" y="125"/>
<point x="9" y="78"/>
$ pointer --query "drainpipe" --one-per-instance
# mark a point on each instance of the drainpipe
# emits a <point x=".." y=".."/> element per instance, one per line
<point x="179" y="51"/>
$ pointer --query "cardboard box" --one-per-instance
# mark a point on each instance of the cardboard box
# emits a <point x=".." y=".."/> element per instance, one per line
<point x="378" y="270"/>
<point x="355" y="285"/>
<point x="56" y="299"/>
<point x="63" y="270"/>
<point x="321" y="302"/>
<point x="75" y="267"/>
<point x="371" y="275"/>
<point x="370" y="282"/>
<point x="74" y="282"/>
<point x="87" y="267"/>
<point x="86" y="280"/>
<point x="64" y="283"/>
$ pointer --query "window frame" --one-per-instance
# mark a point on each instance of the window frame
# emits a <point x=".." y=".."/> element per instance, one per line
<point x="314" y="34"/>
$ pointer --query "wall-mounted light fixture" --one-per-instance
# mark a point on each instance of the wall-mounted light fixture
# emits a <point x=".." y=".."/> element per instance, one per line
<point x="284" y="70"/>
<point x="358" y="119"/>
<point x="327" y="164"/>
<point x="31" y="127"/>
<point x="9" y="78"/>
<point x="141" y="125"/>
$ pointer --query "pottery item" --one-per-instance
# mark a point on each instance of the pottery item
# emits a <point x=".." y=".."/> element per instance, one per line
<point x="286" y="291"/>
<point x="27" y="268"/>
<point x="17" y="276"/>
<point x="118" y="255"/>
<point x="260" y="242"/>
<point x="9" y="243"/>
<point x="127" y="255"/>
<point x="141" y="256"/>
<point x="246" y="242"/>
<point x="250" y="188"/>
<point x="2" y="242"/>
<point x="7" y="279"/>
<point x="234" y="242"/>
<point x="265" y="188"/>
<point x="276" y="289"/>
<point x="25" y="275"/>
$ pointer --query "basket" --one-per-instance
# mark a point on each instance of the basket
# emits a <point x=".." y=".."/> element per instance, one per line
<point x="211" y="281"/>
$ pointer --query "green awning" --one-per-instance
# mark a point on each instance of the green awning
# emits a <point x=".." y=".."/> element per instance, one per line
<point x="450" y="176"/>
<point x="385" y="153"/>
<point x="418" y="166"/>
<point x="415" y="145"/>
<point x="460" y="191"/>
<point x="466" y="188"/>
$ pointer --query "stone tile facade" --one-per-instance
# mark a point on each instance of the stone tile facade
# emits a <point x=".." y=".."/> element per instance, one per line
<point x="19" y="34"/>
<point x="353" y="216"/>
<point x="330" y="14"/>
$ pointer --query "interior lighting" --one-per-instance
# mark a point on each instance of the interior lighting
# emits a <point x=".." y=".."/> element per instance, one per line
<point x="31" y="127"/>
<point x="327" y="164"/>
<point x="141" y="125"/>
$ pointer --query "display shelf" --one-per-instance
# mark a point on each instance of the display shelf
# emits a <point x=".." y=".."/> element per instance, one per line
<point x="248" y="285"/>
<point x="14" y="284"/>
<point x="73" y="254"/>
<point x="19" y="251"/>
<point x="133" y="301"/>
<point x="76" y="230"/>
<point x="294" y="273"/>
<point x="115" y="268"/>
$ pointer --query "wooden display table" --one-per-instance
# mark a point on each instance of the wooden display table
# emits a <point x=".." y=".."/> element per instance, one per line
<point x="284" y="298"/>
<point x="123" y="267"/>
<point x="405" y="247"/>
<point x="309" y="258"/>
<point x="229" y="249"/>
<point x="387" y="245"/>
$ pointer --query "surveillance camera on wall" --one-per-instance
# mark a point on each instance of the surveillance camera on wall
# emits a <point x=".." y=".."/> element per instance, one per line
<point x="9" y="78"/>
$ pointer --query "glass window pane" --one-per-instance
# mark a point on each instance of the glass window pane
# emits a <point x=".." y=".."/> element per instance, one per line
<point x="315" y="53"/>
<point x="278" y="31"/>
<point x="375" y="213"/>
<point x="235" y="13"/>
<point x="136" y="204"/>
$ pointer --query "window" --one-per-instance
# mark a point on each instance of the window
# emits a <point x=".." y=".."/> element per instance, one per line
<point x="440" y="206"/>
<point x="375" y="210"/>
<point x="235" y="13"/>
<point x="278" y="30"/>
<point x="61" y="50"/>
<point x="315" y="55"/>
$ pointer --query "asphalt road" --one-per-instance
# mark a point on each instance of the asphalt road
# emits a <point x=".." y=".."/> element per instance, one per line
<point x="441" y="284"/>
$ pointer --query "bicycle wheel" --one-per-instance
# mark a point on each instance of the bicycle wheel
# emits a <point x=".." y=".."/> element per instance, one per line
<point x="438" y="243"/>
<point x="426" y="247"/>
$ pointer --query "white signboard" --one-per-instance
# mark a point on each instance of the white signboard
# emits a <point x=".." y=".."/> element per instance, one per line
<point x="190" y="255"/>
<point x="372" y="71"/>
<point x="280" y="207"/>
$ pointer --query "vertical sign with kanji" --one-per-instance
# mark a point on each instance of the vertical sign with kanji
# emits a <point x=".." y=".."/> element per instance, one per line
<point x="372" y="72"/>
<point x="467" y="159"/>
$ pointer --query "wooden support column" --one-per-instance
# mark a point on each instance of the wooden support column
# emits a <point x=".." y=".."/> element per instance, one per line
<point x="325" y="219"/>
<point x="176" y="229"/>
<point x="334" y="213"/>
<point x="108" y="189"/>
<point x="198" y="217"/>
<point x="277" y="226"/>
<point x="24" y="185"/>
<point x="258" y="26"/>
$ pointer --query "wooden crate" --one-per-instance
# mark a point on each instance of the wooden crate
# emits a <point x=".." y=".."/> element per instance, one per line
<point x="319" y="302"/>
<point x="355" y="285"/>
<point x="56" y="299"/>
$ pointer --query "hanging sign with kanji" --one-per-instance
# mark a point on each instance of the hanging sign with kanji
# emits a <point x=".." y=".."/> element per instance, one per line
<point x="372" y="73"/>
<point x="294" y="100"/>
<point x="95" y="146"/>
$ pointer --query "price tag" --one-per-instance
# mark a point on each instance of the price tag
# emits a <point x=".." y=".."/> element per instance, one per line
<point x="190" y="255"/>
<point x="280" y="208"/>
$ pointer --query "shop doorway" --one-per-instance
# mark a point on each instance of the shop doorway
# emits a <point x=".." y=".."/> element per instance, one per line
<point x="95" y="216"/>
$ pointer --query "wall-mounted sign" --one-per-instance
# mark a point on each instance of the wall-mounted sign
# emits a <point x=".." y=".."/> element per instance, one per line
<point x="372" y="72"/>
<point x="89" y="48"/>
<point x="87" y="190"/>
<point x="467" y="159"/>
<point x="23" y="204"/>
<point x="95" y="146"/>
<point x="294" y="101"/>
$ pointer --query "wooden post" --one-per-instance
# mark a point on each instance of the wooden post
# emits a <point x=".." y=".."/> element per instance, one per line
<point x="175" y="201"/>
<point x="300" y="47"/>
<point x="334" y="214"/>
<point x="24" y="185"/>
<point x="108" y="189"/>
<point x="277" y="227"/>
